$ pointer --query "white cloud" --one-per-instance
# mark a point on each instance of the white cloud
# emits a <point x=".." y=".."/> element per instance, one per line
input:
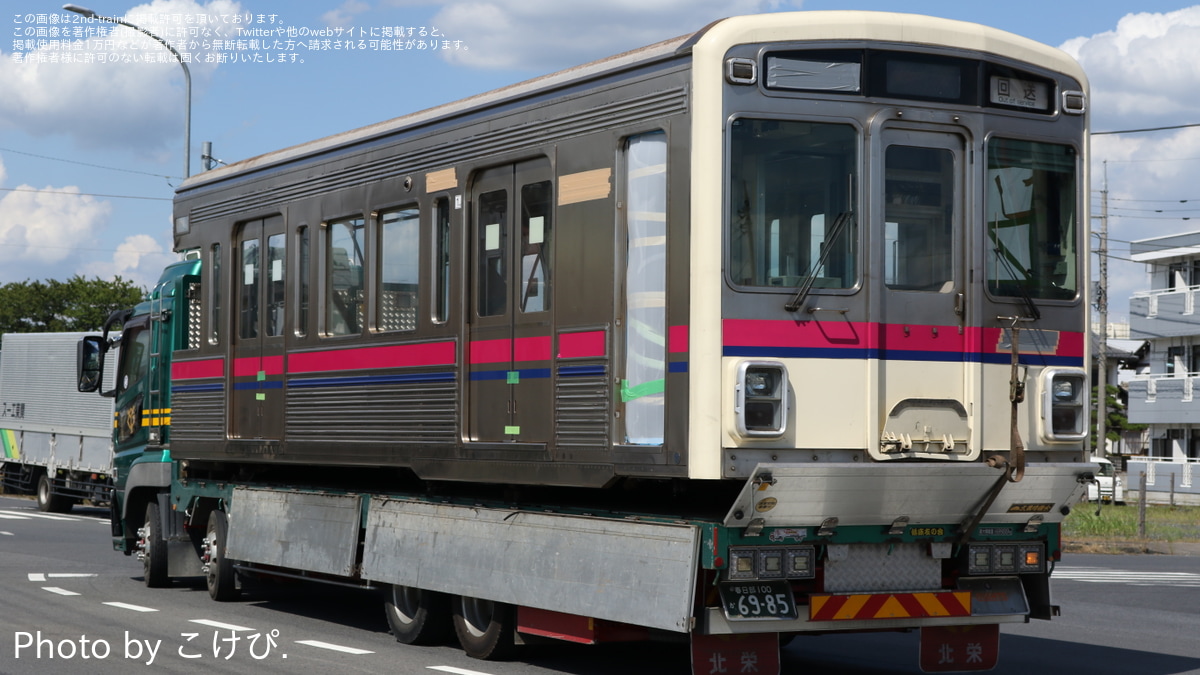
<point x="45" y="226"/>
<point x="49" y="233"/>
<point x="1144" y="73"/>
<point x="1145" y="69"/>
<point x="140" y="259"/>
<point x="345" y="13"/>
<point x="133" y="106"/>
<point x="547" y="35"/>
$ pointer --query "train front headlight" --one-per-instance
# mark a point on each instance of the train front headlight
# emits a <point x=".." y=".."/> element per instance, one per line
<point x="761" y="399"/>
<point x="1064" y="404"/>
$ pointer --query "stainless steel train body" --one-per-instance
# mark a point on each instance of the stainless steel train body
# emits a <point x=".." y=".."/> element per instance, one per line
<point x="800" y="239"/>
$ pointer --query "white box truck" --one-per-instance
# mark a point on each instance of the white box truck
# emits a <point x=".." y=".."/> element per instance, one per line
<point x="56" y="442"/>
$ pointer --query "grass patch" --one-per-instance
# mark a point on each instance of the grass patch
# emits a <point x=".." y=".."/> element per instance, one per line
<point x="1115" y="530"/>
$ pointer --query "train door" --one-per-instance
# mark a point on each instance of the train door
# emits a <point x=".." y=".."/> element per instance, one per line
<point x="259" y="290"/>
<point x="510" y="331"/>
<point x="923" y="346"/>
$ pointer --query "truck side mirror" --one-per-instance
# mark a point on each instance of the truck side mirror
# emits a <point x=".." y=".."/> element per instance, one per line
<point x="90" y="362"/>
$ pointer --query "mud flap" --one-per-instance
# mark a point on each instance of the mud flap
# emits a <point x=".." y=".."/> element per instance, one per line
<point x="744" y="653"/>
<point x="954" y="649"/>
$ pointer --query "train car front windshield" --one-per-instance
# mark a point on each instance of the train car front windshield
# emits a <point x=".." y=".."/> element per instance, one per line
<point x="1032" y="226"/>
<point x="789" y="183"/>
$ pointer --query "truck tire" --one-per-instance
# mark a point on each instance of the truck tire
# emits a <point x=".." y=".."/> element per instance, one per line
<point x="47" y="501"/>
<point x="154" y="550"/>
<point x="417" y="616"/>
<point x="222" y="585"/>
<point x="484" y="628"/>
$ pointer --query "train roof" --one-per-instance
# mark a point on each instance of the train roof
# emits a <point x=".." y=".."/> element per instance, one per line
<point x="784" y="26"/>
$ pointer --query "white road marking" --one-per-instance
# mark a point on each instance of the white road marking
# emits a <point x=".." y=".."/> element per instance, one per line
<point x="134" y="608"/>
<point x="456" y="671"/>
<point x="25" y="516"/>
<point x="38" y="576"/>
<point x="217" y="624"/>
<point x="336" y="648"/>
<point x="1103" y="575"/>
<point x="7" y="534"/>
<point x="60" y="591"/>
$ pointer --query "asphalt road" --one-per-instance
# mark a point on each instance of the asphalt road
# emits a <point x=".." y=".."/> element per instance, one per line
<point x="72" y="605"/>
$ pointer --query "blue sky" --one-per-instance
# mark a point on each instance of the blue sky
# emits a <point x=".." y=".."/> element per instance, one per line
<point x="90" y="151"/>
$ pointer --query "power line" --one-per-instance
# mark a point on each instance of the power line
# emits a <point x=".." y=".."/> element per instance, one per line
<point x="84" y="194"/>
<point x="85" y="248"/>
<point x="1139" y="131"/>
<point x="94" y="166"/>
<point x="1152" y="201"/>
<point x="1126" y="209"/>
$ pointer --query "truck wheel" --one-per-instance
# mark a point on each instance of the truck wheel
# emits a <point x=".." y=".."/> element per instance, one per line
<point x="218" y="573"/>
<point x="484" y="628"/>
<point x="417" y="616"/>
<point x="153" y="549"/>
<point x="47" y="501"/>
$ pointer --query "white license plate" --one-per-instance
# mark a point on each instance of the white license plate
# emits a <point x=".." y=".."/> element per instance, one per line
<point x="746" y="600"/>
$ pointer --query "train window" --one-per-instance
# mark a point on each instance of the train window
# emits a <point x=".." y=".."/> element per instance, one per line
<point x="276" y="253"/>
<point x="535" y="246"/>
<point x="344" y="277"/>
<point x="493" y="259"/>
<point x="214" y="284"/>
<point x="399" y="253"/>
<point x="839" y="71"/>
<point x="1031" y="220"/>
<point x="645" y="289"/>
<point x="789" y="183"/>
<point x="441" y="261"/>
<point x="918" y="218"/>
<point x="924" y="77"/>
<point x="302" y="279"/>
<point x="251" y="268"/>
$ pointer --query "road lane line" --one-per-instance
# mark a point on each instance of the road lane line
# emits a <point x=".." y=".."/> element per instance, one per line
<point x="7" y="534"/>
<point x="1114" y="576"/>
<point x="336" y="648"/>
<point x="26" y="516"/>
<point x="8" y="516"/>
<point x="37" y="576"/>
<point x="59" y="591"/>
<point x="456" y="671"/>
<point x="134" y="608"/>
<point x="218" y="624"/>
<point x="69" y="575"/>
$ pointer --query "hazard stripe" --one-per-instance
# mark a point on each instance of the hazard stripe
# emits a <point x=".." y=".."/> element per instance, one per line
<point x="861" y="606"/>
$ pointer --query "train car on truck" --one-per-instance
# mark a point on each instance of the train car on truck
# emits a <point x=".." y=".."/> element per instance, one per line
<point x="55" y="442"/>
<point x="774" y="328"/>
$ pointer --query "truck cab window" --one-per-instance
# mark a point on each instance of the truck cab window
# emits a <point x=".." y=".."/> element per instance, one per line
<point x="135" y="357"/>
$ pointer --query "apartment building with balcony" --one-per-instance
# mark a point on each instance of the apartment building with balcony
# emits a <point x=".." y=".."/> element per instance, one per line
<point x="1166" y="395"/>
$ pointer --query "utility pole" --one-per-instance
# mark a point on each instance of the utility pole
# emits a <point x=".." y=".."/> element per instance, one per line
<point x="1102" y="305"/>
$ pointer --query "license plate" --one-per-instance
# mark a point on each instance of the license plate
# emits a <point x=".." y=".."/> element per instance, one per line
<point x="748" y="600"/>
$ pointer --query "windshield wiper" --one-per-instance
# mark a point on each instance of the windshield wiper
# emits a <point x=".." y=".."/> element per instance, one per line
<point x="1030" y="305"/>
<point x="844" y="218"/>
<point x="1005" y="255"/>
